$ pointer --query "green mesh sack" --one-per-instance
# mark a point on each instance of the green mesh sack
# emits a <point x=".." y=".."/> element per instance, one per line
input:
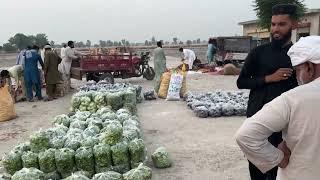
<point x="30" y="159"/>
<point x="65" y="162"/>
<point x="137" y="151"/>
<point x="120" y="157"/>
<point x="112" y="134"/>
<point x="78" y="125"/>
<point x="160" y="158"/>
<point x="23" y="147"/>
<point x="12" y="161"/>
<point x="47" y="161"/>
<point x="89" y="141"/>
<point x="84" y="159"/>
<point x="142" y="172"/>
<point x="115" y="100"/>
<point x="62" y="120"/>
<point x="129" y="97"/>
<point x="109" y="175"/>
<point x="131" y="107"/>
<point x="39" y="142"/>
<point x="123" y="117"/>
<point x="52" y="175"/>
<point x="28" y="174"/>
<point x="109" y="116"/>
<point x="102" y="155"/>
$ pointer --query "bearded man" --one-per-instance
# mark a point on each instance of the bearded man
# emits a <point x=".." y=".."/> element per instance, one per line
<point x="268" y="73"/>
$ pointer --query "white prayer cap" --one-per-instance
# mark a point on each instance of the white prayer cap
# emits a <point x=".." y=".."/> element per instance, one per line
<point x="47" y="47"/>
<point x="306" y="49"/>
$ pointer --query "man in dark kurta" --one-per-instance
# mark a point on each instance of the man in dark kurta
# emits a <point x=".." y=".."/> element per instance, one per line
<point x="52" y="76"/>
<point x="268" y="73"/>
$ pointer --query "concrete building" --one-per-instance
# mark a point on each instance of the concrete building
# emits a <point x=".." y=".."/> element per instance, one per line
<point x="308" y="25"/>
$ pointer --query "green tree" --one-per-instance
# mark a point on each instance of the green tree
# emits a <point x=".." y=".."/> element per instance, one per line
<point x="95" y="45"/>
<point x="88" y="43"/>
<point x="153" y="41"/>
<point x="189" y="42"/>
<point x="19" y="40"/>
<point x="109" y="43"/>
<point x="52" y="43"/>
<point x="102" y="43"/>
<point x="8" y="47"/>
<point x="175" y="40"/>
<point x="41" y="39"/>
<point x="263" y="10"/>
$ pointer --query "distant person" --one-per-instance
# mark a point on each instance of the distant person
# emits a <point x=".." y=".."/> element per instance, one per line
<point x="159" y="65"/>
<point x="268" y="73"/>
<point x="31" y="72"/>
<point x="295" y="113"/>
<point x="189" y="56"/>
<point x="65" y="65"/>
<point x="15" y="72"/>
<point x="20" y="57"/>
<point x="212" y="49"/>
<point x="51" y="73"/>
<point x="63" y="51"/>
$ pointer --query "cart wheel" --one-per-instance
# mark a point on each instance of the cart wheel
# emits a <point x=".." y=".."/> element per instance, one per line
<point x="108" y="77"/>
<point x="149" y="73"/>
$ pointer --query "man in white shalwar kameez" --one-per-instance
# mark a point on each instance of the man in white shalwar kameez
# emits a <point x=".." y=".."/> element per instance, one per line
<point x="296" y="113"/>
<point x="65" y="65"/>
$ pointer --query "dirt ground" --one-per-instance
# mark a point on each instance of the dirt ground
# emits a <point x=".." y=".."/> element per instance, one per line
<point x="200" y="148"/>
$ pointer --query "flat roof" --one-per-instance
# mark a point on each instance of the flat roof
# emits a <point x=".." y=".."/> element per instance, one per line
<point x="309" y="11"/>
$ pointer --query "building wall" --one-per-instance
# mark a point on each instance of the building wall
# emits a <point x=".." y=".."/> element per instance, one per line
<point x="313" y="29"/>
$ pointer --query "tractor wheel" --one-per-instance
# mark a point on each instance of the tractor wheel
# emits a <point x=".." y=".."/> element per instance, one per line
<point x="149" y="73"/>
<point x="108" y="77"/>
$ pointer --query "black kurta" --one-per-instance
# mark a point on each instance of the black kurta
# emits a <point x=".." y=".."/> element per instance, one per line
<point x="262" y="61"/>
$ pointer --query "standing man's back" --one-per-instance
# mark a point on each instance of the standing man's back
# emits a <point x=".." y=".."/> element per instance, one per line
<point x="268" y="73"/>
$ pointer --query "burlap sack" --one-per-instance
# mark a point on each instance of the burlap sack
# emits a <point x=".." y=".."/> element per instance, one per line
<point x="164" y="85"/>
<point x="7" y="111"/>
<point x="230" y="69"/>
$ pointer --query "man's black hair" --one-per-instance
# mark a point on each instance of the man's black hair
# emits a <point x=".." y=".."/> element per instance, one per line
<point x="35" y="47"/>
<point x="285" y="9"/>
<point x="70" y="43"/>
<point x="181" y="49"/>
<point x="159" y="43"/>
<point x="5" y="74"/>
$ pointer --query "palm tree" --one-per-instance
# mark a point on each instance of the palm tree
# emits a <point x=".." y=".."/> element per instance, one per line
<point x="263" y="10"/>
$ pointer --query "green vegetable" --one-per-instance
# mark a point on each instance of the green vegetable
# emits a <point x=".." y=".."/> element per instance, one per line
<point x="104" y="110"/>
<point x="58" y="142"/>
<point x="137" y="152"/>
<point x="85" y="101"/>
<point x="72" y="143"/>
<point x="12" y="161"/>
<point x="123" y="117"/>
<point x="94" y="121"/>
<point x="75" y="101"/>
<point x="28" y="174"/>
<point x="47" y="161"/>
<point x="77" y="177"/>
<point x="161" y="158"/>
<point x="112" y="134"/>
<point x="91" y="130"/>
<point x="115" y="100"/>
<point x="120" y="155"/>
<point x="62" y="120"/>
<point x="78" y="125"/>
<point x="23" y="147"/>
<point x="65" y="162"/>
<point x="84" y="173"/>
<point x="130" y="135"/>
<point x="102" y="155"/>
<point x="39" y="142"/>
<point x="109" y="116"/>
<point x="142" y="172"/>
<point x="131" y="107"/>
<point x="92" y="107"/>
<point x="102" y="169"/>
<point x="89" y="141"/>
<point x="123" y="111"/>
<point x="52" y="176"/>
<point x="5" y="176"/>
<point x="130" y="97"/>
<point x="84" y="159"/>
<point x="121" y="168"/>
<point x="30" y="159"/>
<point x="109" y="175"/>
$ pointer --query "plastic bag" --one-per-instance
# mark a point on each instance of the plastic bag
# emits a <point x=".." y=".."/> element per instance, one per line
<point x="30" y="159"/>
<point x="12" y="161"/>
<point x="47" y="161"/>
<point x="137" y="152"/>
<point x="175" y="87"/>
<point x="28" y="174"/>
<point x="84" y="160"/>
<point x="142" y="172"/>
<point x="109" y="175"/>
<point x="65" y="162"/>
<point x="7" y="110"/>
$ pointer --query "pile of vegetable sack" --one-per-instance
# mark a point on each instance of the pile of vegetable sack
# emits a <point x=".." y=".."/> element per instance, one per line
<point x="94" y="96"/>
<point x="218" y="103"/>
<point x="100" y="140"/>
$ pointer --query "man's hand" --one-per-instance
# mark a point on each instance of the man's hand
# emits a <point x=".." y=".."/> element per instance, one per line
<point x="287" y="153"/>
<point x="280" y="75"/>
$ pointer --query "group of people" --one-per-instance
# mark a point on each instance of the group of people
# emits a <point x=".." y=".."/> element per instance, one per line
<point x="280" y="138"/>
<point x="27" y="74"/>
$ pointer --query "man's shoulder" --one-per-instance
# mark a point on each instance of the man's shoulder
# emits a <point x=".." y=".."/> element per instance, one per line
<point x="262" y="47"/>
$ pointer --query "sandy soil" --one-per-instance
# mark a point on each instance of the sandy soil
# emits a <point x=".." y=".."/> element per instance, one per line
<point x="200" y="148"/>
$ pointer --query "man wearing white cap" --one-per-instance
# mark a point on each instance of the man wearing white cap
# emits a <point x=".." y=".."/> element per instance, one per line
<point x="295" y="113"/>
